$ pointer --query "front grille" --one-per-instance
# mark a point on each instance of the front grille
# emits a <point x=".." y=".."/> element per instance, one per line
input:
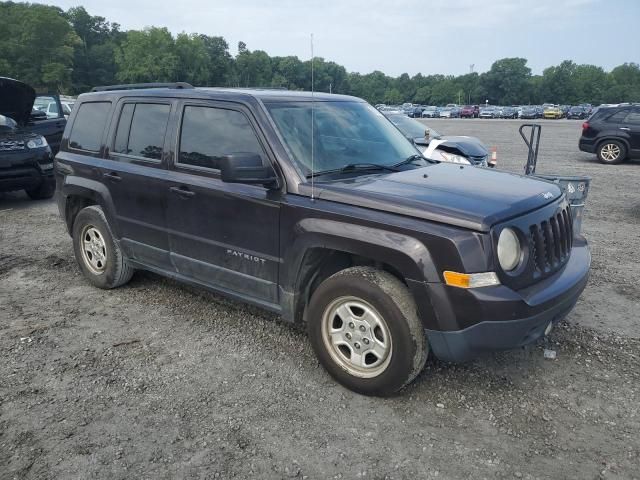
<point x="11" y="145"/>
<point x="550" y="242"/>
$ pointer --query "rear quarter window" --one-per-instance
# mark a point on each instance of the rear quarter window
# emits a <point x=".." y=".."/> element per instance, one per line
<point x="88" y="126"/>
<point x="617" y="117"/>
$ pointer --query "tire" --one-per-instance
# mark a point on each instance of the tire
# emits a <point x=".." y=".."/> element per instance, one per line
<point x="100" y="258"/>
<point x="45" y="190"/>
<point x="365" y="306"/>
<point x="612" y="152"/>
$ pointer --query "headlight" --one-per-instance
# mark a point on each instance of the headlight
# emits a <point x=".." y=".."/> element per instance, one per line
<point x="37" y="142"/>
<point x="509" y="250"/>
<point x="443" y="156"/>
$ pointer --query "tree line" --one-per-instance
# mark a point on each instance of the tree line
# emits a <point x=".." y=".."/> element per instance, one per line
<point x="72" y="51"/>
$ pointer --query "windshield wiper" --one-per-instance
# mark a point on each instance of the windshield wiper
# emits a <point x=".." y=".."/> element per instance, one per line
<point x="411" y="159"/>
<point x="352" y="167"/>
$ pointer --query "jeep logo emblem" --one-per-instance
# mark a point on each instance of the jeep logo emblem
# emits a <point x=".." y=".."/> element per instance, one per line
<point x="547" y="195"/>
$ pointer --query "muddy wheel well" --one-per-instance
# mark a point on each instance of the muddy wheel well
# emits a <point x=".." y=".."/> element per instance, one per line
<point x="319" y="264"/>
<point x="75" y="203"/>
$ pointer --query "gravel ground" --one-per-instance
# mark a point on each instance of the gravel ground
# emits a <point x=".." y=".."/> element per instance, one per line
<point x="157" y="380"/>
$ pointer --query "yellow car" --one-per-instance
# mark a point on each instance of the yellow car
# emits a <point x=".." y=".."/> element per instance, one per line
<point x="552" y="112"/>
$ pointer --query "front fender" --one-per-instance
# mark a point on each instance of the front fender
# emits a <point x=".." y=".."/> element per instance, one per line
<point x="406" y="254"/>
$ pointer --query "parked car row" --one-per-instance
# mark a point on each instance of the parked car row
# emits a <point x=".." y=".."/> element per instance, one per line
<point x="547" y="110"/>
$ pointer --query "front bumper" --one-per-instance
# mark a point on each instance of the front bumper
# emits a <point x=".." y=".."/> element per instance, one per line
<point x="470" y="322"/>
<point x="26" y="169"/>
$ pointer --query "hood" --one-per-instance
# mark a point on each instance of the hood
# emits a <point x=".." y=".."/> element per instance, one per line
<point x="468" y="197"/>
<point x="468" y="146"/>
<point x="16" y="100"/>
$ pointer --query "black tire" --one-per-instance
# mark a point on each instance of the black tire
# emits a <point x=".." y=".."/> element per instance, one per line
<point x="391" y="299"/>
<point x="612" y="152"/>
<point x="115" y="271"/>
<point x="45" y="190"/>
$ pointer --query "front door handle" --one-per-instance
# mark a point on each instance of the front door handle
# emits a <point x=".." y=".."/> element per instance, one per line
<point x="183" y="192"/>
<point x="626" y="129"/>
<point x="112" y="176"/>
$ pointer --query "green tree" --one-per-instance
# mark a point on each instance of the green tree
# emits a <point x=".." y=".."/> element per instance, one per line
<point x="147" y="56"/>
<point x="423" y="95"/>
<point x="253" y="69"/>
<point x="393" y="97"/>
<point x="37" y="45"/>
<point x="220" y="60"/>
<point x="94" y="53"/>
<point x="625" y="83"/>
<point x="193" y="59"/>
<point x="557" y="84"/>
<point x="507" y="81"/>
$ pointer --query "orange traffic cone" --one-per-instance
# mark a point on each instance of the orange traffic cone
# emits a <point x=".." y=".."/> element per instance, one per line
<point x="494" y="157"/>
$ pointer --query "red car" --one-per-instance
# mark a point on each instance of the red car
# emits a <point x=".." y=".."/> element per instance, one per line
<point x="470" y="111"/>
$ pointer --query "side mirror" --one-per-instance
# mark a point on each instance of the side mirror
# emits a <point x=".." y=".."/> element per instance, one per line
<point x="37" y="115"/>
<point x="246" y="168"/>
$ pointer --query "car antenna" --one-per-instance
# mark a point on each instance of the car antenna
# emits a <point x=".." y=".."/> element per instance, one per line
<point x="312" y="125"/>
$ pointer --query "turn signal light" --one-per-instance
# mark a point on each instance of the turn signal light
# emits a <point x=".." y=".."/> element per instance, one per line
<point x="470" y="280"/>
<point x="585" y="125"/>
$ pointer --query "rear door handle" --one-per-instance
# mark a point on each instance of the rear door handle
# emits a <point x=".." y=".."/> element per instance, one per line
<point x="626" y="129"/>
<point x="112" y="176"/>
<point x="183" y="192"/>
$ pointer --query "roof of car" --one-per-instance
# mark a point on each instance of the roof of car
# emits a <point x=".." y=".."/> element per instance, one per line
<point x="223" y="93"/>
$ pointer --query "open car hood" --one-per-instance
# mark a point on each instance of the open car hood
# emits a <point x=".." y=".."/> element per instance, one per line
<point x="16" y="100"/>
<point x="468" y="146"/>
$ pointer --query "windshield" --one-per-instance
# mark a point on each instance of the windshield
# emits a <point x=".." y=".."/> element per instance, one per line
<point x="412" y="128"/>
<point x="344" y="133"/>
<point x="7" y="123"/>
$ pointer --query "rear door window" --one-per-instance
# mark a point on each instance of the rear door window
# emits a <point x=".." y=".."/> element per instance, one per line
<point x="141" y="130"/>
<point x="633" y="118"/>
<point x="88" y="126"/>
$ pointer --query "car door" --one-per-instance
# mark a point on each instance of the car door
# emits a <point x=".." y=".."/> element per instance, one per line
<point x="135" y="174"/>
<point x="51" y="127"/>
<point x="222" y="235"/>
<point x="631" y="125"/>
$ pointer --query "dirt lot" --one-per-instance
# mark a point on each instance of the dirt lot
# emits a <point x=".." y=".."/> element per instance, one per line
<point x="155" y="380"/>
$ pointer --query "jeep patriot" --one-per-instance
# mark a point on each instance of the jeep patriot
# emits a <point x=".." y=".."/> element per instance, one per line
<point x="316" y="207"/>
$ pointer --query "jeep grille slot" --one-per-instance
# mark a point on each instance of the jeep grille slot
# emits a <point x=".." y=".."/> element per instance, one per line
<point x="550" y="243"/>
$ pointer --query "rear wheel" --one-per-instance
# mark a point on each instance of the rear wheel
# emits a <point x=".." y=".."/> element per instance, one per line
<point x="97" y="253"/>
<point x="45" y="190"/>
<point x="612" y="152"/>
<point x="364" y="328"/>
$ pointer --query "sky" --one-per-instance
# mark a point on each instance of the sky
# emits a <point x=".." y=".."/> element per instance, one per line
<point x="398" y="36"/>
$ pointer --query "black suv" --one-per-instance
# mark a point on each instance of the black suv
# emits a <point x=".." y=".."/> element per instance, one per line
<point x="612" y="133"/>
<point x="26" y="159"/>
<point x="318" y="208"/>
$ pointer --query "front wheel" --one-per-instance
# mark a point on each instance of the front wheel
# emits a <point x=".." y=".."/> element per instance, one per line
<point x="611" y="152"/>
<point x="364" y="328"/>
<point x="45" y="190"/>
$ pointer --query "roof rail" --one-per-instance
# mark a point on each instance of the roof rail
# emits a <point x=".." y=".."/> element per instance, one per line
<point x="136" y="86"/>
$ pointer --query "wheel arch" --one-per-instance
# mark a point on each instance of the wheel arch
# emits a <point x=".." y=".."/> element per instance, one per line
<point x="78" y="193"/>
<point x="324" y="247"/>
<point x="609" y="138"/>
